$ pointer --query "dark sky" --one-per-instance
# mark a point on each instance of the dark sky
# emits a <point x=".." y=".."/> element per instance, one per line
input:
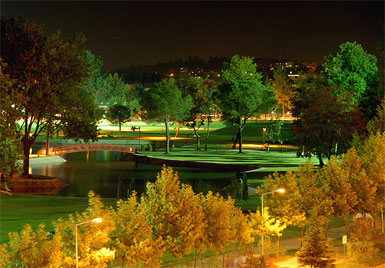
<point x="126" y="33"/>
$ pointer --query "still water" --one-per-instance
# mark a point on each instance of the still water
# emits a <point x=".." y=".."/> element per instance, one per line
<point x="103" y="172"/>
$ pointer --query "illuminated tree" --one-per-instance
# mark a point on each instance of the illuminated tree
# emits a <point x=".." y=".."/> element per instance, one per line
<point x="174" y="212"/>
<point x="49" y="73"/>
<point x="351" y="69"/>
<point x="243" y="95"/>
<point x="93" y="238"/>
<point x="315" y="253"/>
<point x="273" y="132"/>
<point x="284" y="91"/>
<point x="33" y="249"/>
<point x="164" y="102"/>
<point x="340" y="189"/>
<point x="133" y="236"/>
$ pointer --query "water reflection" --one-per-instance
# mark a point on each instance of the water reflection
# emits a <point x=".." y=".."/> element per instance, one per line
<point x="101" y="172"/>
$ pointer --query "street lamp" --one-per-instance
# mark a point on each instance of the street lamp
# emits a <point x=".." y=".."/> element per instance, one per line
<point x="281" y="190"/>
<point x="264" y="135"/>
<point x="76" y="235"/>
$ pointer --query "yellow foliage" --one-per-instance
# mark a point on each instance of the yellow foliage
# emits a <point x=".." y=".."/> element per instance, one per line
<point x="174" y="212"/>
<point x="91" y="236"/>
<point x="133" y="236"/>
<point x="30" y="249"/>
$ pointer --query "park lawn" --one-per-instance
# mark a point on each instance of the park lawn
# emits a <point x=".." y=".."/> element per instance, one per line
<point x="18" y="210"/>
<point x="268" y="161"/>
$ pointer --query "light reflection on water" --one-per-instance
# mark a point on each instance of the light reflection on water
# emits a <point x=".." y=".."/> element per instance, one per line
<point x="100" y="171"/>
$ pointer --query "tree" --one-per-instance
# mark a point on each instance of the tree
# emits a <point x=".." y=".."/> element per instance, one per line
<point x="341" y="192"/>
<point x="243" y="95"/>
<point x="316" y="252"/>
<point x="273" y="132"/>
<point x="351" y="69"/>
<point x="201" y="92"/>
<point x="33" y="249"/>
<point x="49" y="73"/>
<point x="325" y="120"/>
<point x="10" y="148"/>
<point x="133" y="236"/>
<point x="174" y="212"/>
<point x="284" y="91"/>
<point x="94" y="239"/>
<point x="164" y="102"/>
<point x="118" y="114"/>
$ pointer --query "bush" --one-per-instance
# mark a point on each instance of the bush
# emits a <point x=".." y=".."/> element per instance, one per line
<point x="359" y="245"/>
<point x="149" y="147"/>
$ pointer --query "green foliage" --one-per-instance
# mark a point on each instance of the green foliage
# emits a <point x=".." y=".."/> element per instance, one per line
<point x="118" y="114"/>
<point x="273" y="132"/>
<point x="243" y="95"/>
<point x="10" y="151"/>
<point x="316" y="252"/>
<point x="351" y="68"/>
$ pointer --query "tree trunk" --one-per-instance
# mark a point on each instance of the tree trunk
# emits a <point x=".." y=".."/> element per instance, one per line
<point x="26" y="148"/>
<point x="301" y="236"/>
<point x="336" y="149"/>
<point x="167" y="135"/>
<point x="382" y="219"/>
<point x="240" y="137"/>
<point x="277" y="247"/>
<point x="236" y="140"/>
<point x="346" y="225"/>
<point x="207" y="134"/>
<point x="326" y="232"/>
<point x="198" y="139"/>
<point x="177" y="131"/>
<point x="47" y="140"/>
<point x="321" y="162"/>
<point x="120" y="126"/>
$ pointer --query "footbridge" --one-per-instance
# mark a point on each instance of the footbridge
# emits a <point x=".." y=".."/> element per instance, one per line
<point x="74" y="148"/>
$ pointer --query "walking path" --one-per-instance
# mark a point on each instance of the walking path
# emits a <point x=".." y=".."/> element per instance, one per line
<point x="236" y="259"/>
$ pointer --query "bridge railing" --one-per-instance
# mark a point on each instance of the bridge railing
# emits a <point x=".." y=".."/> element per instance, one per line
<point x="73" y="148"/>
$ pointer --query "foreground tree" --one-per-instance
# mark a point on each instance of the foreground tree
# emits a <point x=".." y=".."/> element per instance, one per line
<point x="133" y="236"/>
<point x="243" y="95"/>
<point x="164" y="102"/>
<point x="32" y="249"/>
<point x="174" y="212"/>
<point x="316" y="252"/>
<point x="49" y="73"/>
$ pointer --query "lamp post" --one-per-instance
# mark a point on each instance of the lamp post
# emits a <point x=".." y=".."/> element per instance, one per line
<point x="264" y="134"/>
<point x="76" y="236"/>
<point x="281" y="190"/>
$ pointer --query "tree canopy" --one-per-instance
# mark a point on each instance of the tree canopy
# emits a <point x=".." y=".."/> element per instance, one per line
<point x="242" y="94"/>
<point x="352" y="69"/>
<point x="49" y="73"/>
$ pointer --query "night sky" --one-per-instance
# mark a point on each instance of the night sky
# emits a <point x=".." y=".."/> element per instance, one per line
<point x="127" y="33"/>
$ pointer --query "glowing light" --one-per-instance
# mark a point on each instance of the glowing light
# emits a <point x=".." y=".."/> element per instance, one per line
<point x="281" y="190"/>
<point x="97" y="220"/>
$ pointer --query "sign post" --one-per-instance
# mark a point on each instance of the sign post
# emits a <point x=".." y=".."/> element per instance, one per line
<point x="344" y="241"/>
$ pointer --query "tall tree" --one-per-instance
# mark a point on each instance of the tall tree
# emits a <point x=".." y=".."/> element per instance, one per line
<point x="164" y="102"/>
<point x="325" y="120"/>
<point x="49" y="73"/>
<point x="242" y="94"/>
<point x="118" y="114"/>
<point x="201" y="92"/>
<point x="352" y="69"/>
<point x="174" y="212"/>
<point x="284" y="91"/>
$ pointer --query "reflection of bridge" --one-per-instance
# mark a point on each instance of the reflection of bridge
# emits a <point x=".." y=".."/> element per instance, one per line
<point x="74" y="148"/>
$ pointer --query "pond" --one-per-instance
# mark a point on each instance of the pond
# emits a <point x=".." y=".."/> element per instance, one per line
<point x="107" y="173"/>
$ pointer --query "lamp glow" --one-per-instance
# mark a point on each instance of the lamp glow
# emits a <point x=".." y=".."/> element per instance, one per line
<point x="97" y="220"/>
<point x="281" y="190"/>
